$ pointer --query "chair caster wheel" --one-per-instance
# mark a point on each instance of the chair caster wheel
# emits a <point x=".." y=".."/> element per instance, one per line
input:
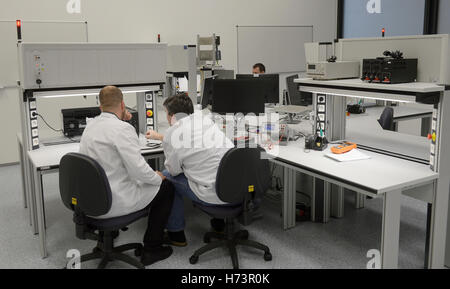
<point x="138" y="252"/>
<point x="206" y="239"/>
<point x="267" y="256"/>
<point x="193" y="260"/>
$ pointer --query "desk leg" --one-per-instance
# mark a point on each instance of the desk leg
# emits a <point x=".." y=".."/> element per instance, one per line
<point x="32" y="196"/>
<point x="359" y="200"/>
<point x="390" y="235"/>
<point x="320" y="203"/>
<point x="40" y="212"/>
<point x="428" y="234"/>
<point x="438" y="225"/>
<point x="337" y="201"/>
<point x="22" y="171"/>
<point x="289" y="199"/>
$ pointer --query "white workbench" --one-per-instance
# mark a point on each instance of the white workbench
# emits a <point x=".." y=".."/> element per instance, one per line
<point x="359" y="174"/>
<point x="382" y="176"/>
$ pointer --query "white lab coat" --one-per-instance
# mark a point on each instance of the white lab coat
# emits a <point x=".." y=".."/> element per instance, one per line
<point x="114" y="144"/>
<point x="186" y="152"/>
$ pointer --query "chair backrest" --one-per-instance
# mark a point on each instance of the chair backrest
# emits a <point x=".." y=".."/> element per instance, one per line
<point x="83" y="185"/>
<point x="387" y="119"/>
<point x="241" y="172"/>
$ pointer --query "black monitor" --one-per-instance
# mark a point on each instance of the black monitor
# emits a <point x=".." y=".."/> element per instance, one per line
<point x="297" y="97"/>
<point x="237" y="96"/>
<point x="270" y="82"/>
<point x="207" y="92"/>
<point x="207" y="88"/>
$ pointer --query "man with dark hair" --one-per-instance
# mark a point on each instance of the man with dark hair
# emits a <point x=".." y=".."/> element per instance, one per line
<point x="194" y="146"/>
<point x="135" y="186"/>
<point x="259" y="68"/>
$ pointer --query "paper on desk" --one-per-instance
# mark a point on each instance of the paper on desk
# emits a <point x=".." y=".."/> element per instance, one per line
<point x="353" y="155"/>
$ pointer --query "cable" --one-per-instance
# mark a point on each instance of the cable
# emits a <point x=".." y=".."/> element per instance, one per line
<point x="57" y="130"/>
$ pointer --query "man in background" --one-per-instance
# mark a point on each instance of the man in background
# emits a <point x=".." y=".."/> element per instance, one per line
<point x="259" y="68"/>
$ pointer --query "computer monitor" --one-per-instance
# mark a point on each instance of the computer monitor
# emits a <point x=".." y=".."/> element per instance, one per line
<point x="270" y="82"/>
<point x="207" y="92"/>
<point x="237" y="96"/>
<point x="297" y="97"/>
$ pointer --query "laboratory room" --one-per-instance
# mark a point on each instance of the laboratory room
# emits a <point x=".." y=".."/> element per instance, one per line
<point x="211" y="135"/>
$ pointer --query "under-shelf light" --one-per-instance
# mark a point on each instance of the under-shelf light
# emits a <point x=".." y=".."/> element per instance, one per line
<point x="84" y="94"/>
<point x="364" y="97"/>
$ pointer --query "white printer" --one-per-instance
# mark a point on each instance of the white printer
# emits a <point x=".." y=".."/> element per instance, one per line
<point x="324" y="70"/>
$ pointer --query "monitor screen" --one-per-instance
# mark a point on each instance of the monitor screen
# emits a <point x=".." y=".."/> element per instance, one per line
<point x="237" y="96"/>
<point x="207" y="90"/>
<point x="270" y="82"/>
<point x="297" y="97"/>
<point x="207" y="93"/>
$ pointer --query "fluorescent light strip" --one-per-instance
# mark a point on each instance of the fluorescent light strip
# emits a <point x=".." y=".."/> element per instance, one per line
<point x="85" y="94"/>
<point x="365" y="97"/>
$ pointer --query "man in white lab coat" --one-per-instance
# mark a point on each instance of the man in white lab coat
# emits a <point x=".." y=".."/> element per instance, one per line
<point x="194" y="146"/>
<point x="113" y="143"/>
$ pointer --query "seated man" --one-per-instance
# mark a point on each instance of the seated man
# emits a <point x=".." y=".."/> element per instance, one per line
<point x="191" y="161"/>
<point x="259" y="68"/>
<point x="114" y="144"/>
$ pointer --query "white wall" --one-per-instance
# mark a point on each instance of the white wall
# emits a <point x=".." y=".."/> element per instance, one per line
<point x="178" y="22"/>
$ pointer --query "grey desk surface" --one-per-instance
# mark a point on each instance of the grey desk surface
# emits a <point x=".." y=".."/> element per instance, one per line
<point x="50" y="156"/>
<point x="379" y="174"/>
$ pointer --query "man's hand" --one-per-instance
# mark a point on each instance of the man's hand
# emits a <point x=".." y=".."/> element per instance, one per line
<point x="151" y="134"/>
<point x="127" y="115"/>
<point x="161" y="175"/>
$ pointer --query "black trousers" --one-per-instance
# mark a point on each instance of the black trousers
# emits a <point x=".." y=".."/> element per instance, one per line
<point x="159" y="211"/>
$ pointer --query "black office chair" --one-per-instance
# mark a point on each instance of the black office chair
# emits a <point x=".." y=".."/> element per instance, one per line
<point x="241" y="176"/>
<point x="85" y="190"/>
<point x="387" y="119"/>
